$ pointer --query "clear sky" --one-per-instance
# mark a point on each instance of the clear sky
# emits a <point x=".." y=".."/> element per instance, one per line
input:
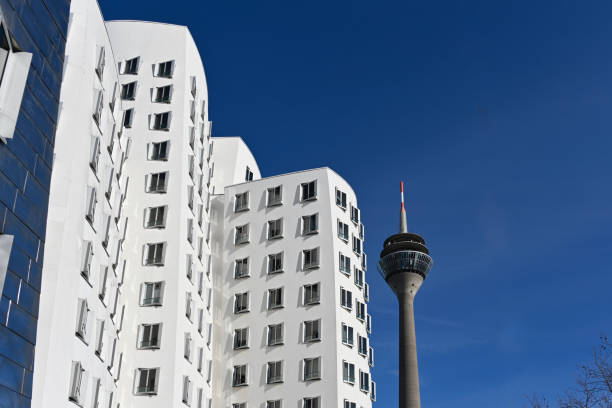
<point x="498" y="115"/>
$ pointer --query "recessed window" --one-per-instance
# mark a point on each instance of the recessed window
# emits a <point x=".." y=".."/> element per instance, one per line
<point x="97" y="113"/>
<point x="241" y="268"/>
<point x="311" y="402"/>
<point x="309" y="191"/>
<point x="87" y="256"/>
<point x="155" y="254"/>
<point x="364" y="381"/>
<point x="364" y="262"/>
<point x="242" y="234"/>
<point x="188" y="305"/>
<point x="83" y="313"/>
<point x="128" y="91"/>
<point x="165" y="69"/>
<point x="234" y="405"/>
<point x="275" y="334"/>
<point x="346" y="298"/>
<point x="161" y="121"/>
<point x="131" y="66"/>
<point x="361" y="310"/>
<point x="249" y="174"/>
<point x="343" y="231"/>
<point x="312" y="294"/>
<point x="355" y="214"/>
<point x="241" y="302"/>
<point x="101" y="62"/>
<point x="158" y="182"/>
<point x="92" y="200"/>
<point x="345" y="264"/>
<point x="312" y="330"/>
<point x="147" y="381"/>
<point x="356" y="245"/>
<point x="341" y="199"/>
<point x="275" y="372"/>
<point x="312" y="369"/>
<point x="152" y="294"/>
<point x="239" y="377"/>
<point x="275" y="196"/>
<point x="241" y="338"/>
<point x="275" y="298"/>
<point x="275" y="229"/>
<point x="163" y="94"/>
<point x="359" y="278"/>
<point x="366" y="291"/>
<point x="241" y="202"/>
<point x="78" y="372"/>
<point x="274" y="404"/>
<point x="310" y="224"/>
<point x="128" y="116"/>
<point x="370" y="356"/>
<point x="361" y="231"/>
<point x="275" y="263"/>
<point x="186" y="390"/>
<point x="372" y="390"/>
<point x="362" y="345"/>
<point x="156" y="217"/>
<point x="347" y="335"/>
<point x="348" y="375"/>
<point x="311" y="258"/>
<point x="149" y="336"/>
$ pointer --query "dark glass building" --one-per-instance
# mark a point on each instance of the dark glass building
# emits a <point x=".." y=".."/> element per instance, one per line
<point x="32" y="39"/>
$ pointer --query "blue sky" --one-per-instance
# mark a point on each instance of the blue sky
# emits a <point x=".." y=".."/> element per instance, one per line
<point x="499" y="119"/>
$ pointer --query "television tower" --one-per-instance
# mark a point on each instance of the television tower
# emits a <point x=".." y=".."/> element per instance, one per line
<point x="404" y="264"/>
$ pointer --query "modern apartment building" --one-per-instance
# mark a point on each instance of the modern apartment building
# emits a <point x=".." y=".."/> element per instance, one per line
<point x="32" y="38"/>
<point x="180" y="277"/>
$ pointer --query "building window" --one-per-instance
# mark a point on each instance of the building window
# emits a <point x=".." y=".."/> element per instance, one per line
<point x="242" y="234"/>
<point x="369" y="323"/>
<point x="360" y="311"/>
<point x="158" y="182"/>
<point x="275" y="263"/>
<point x="347" y="335"/>
<point x="274" y="404"/>
<point x="361" y="231"/>
<point x="241" y="268"/>
<point x="161" y="121"/>
<point x="152" y="294"/>
<point x="346" y="298"/>
<point x="239" y="405"/>
<point x="275" y="196"/>
<point x="186" y="390"/>
<point x="275" y="334"/>
<point x="155" y="254"/>
<point x="355" y="214"/>
<point x="165" y="69"/>
<point x="348" y="374"/>
<point x="373" y="391"/>
<point x="91" y="204"/>
<point x="364" y="262"/>
<point x="312" y="294"/>
<point x="150" y="336"/>
<point x="345" y="264"/>
<point x="370" y="356"/>
<point x="362" y="345"/>
<point x="190" y="230"/>
<point x="359" y="278"/>
<point x="275" y="298"/>
<point x="239" y="377"/>
<point x="147" y="381"/>
<point x="82" y="314"/>
<point x="163" y="94"/>
<point x="310" y="224"/>
<point x="275" y="229"/>
<point x="311" y="402"/>
<point x="356" y="245"/>
<point x="86" y="259"/>
<point x="275" y="372"/>
<point x="241" y="338"/>
<point x="187" y="346"/>
<point x="312" y="369"/>
<point x="76" y="381"/>
<point x="131" y="66"/>
<point x="156" y="217"/>
<point x="312" y="330"/>
<point x="101" y="62"/>
<point x="241" y="302"/>
<point x="309" y="191"/>
<point x="364" y="381"/>
<point x="241" y="202"/>
<point x="311" y="258"/>
<point x="128" y="116"/>
<point x="249" y="174"/>
<point x="97" y="113"/>
<point x="158" y="151"/>
<point x="128" y="91"/>
<point x="343" y="231"/>
<point x="340" y="199"/>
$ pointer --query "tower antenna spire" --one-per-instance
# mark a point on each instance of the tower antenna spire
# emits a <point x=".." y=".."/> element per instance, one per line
<point x="403" y="224"/>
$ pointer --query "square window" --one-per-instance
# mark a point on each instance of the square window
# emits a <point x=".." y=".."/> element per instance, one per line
<point x="310" y="224"/>
<point x="152" y="294"/>
<point x="312" y="331"/>
<point x="312" y="294"/>
<point x="156" y="217"/>
<point x="150" y="336"/>
<point x="158" y="151"/>
<point x="311" y="402"/>
<point x="275" y="372"/>
<point x="312" y="369"/>
<point x="239" y="377"/>
<point x="309" y="191"/>
<point x="163" y="94"/>
<point x="242" y="234"/>
<point x="128" y="91"/>
<point x="161" y="121"/>
<point x="147" y="381"/>
<point x="275" y="298"/>
<point x="241" y="338"/>
<point x="275" y="334"/>
<point x="157" y="182"/>
<point x="131" y="66"/>
<point x="241" y="268"/>
<point x="275" y="196"/>
<point x="155" y="254"/>
<point x="165" y="69"/>
<point x="241" y="202"/>
<point x="241" y="302"/>
<point x="311" y="258"/>
<point x="275" y="263"/>
<point x="275" y="229"/>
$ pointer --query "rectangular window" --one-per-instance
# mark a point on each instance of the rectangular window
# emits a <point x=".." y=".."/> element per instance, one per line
<point x="355" y="214"/>
<point x="156" y="217"/>
<point x="275" y="196"/>
<point x="241" y="302"/>
<point x="128" y="117"/>
<point x="274" y="404"/>
<point x="188" y="305"/>
<point x="241" y="202"/>
<point x="239" y="405"/>
<point x="364" y="262"/>
<point x="149" y="336"/>
<point x="97" y="113"/>
<point x="275" y="372"/>
<point x="348" y="373"/>
<point x="362" y="345"/>
<point x="159" y="151"/>
<point x="128" y="91"/>
<point x="275" y="298"/>
<point x="147" y="380"/>
<point x="346" y="298"/>
<point x="152" y="294"/>
<point x="165" y="69"/>
<point x="101" y="62"/>
<point x="163" y="94"/>
<point x="239" y="377"/>
<point x="186" y="390"/>
<point x="190" y="230"/>
<point x="242" y="234"/>
<point x="312" y="369"/>
<point x="81" y="324"/>
<point x="311" y="402"/>
<point x="92" y="200"/>
<point x="340" y="199"/>
<point x="359" y="277"/>
<point x="356" y="245"/>
<point x="370" y="356"/>
<point x="364" y="381"/>
<point x="347" y="335"/>
<point x="312" y="330"/>
<point x="249" y="174"/>
<point x="241" y="268"/>
<point x="275" y="229"/>
<point x="200" y="365"/>
<point x="312" y="294"/>
<point x="310" y="224"/>
<point x="360" y="310"/>
<point x="155" y="254"/>
<point x="309" y="191"/>
<point x="348" y="404"/>
<point x="131" y="66"/>
<point x="275" y="263"/>
<point x="158" y="182"/>
<point x="345" y="264"/>
<point x="241" y="338"/>
<point x="76" y="380"/>
<point x="343" y="231"/>
<point x="373" y="391"/>
<point x="361" y="231"/>
<point x="187" y="346"/>
<point x="275" y="334"/>
<point x="311" y="258"/>
<point x="161" y="121"/>
<point x="86" y="259"/>
<point x="369" y="323"/>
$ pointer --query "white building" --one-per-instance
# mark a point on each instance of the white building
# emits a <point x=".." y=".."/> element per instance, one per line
<point x="175" y="275"/>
